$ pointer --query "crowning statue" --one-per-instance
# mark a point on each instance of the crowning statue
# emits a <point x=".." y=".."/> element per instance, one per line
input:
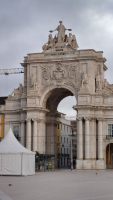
<point x="61" y="39"/>
<point x="61" y="32"/>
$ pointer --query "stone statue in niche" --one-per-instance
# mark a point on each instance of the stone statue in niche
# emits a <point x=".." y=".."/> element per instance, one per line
<point x="45" y="73"/>
<point x="35" y="85"/>
<point x="36" y="88"/>
<point x="98" y="82"/>
<point x="84" y="83"/>
<point x="84" y="80"/>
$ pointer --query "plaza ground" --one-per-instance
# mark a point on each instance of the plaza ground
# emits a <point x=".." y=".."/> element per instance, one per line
<point x="59" y="185"/>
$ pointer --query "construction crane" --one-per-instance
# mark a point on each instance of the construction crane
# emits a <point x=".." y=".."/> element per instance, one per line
<point x="11" y="71"/>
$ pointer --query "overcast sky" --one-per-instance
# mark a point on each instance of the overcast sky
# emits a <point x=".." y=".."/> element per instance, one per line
<point x="24" y="26"/>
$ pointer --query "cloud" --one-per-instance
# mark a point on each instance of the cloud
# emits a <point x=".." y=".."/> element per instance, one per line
<point x="24" y="27"/>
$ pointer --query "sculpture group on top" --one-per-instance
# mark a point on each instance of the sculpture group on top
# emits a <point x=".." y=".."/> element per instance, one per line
<point x="60" y="40"/>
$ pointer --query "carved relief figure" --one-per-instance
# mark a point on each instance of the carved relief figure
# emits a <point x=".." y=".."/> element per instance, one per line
<point x="72" y="72"/>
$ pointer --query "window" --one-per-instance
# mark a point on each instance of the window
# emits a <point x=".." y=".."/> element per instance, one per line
<point x="67" y="140"/>
<point x="64" y="139"/>
<point x="110" y="130"/>
<point x="64" y="150"/>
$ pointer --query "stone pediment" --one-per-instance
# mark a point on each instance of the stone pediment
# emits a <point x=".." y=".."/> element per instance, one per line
<point x="61" y="41"/>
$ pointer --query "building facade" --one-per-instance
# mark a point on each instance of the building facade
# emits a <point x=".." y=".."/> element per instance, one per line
<point x="62" y="70"/>
<point x="66" y="142"/>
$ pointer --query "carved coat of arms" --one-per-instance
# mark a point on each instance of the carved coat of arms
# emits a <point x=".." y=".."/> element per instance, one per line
<point x="58" y="74"/>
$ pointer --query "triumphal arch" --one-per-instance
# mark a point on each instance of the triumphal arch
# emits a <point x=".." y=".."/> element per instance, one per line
<point x="61" y="70"/>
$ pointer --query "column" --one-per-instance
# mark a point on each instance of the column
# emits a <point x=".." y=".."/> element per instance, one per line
<point x="80" y="140"/>
<point x="35" y="135"/>
<point x="100" y="146"/>
<point x="93" y="138"/>
<point x="22" y="133"/>
<point x="28" y="134"/>
<point x="41" y="136"/>
<point x="87" y="139"/>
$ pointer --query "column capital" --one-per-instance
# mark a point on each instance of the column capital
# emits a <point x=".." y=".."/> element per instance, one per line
<point x="28" y="120"/>
<point x="22" y="121"/>
<point x="34" y="119"/>
<point x="79" y="118"/>
<point x="87" y="118"/>
<point x="41" y="120"/>
<point x="93" y="119"/>
<point x="100" y="119"/>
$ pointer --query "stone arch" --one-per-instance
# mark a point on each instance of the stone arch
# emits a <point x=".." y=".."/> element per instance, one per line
<point x="49" y="90"/>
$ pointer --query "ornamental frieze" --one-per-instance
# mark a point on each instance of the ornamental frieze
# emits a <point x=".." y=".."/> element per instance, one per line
<point x="61" y="72"/>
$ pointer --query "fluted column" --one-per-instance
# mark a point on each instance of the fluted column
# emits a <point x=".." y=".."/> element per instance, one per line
<point x="100" y="146"/>
<point x="22" y="132"/>
<point x="35" y="135"/>
<point x="80" y="139"/>
<point x="87" y="139"/>
<point x="28" y="134"/>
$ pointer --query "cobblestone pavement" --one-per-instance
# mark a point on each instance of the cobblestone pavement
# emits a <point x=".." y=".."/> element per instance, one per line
<point x="59" y="185"/>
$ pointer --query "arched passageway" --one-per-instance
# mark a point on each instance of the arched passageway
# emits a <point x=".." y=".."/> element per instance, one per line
<point x="58" y="139"/>
<point x="109" y="156"/>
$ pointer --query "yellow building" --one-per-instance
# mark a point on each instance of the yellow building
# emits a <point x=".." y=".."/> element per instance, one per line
<point x="1" y="126"/>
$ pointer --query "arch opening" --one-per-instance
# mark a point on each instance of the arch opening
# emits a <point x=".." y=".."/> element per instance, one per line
<point x="109" y="156"/>
<point x="60" y="132"/>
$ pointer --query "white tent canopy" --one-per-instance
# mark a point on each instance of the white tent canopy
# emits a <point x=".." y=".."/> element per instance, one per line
<point x="14" y="158"/>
